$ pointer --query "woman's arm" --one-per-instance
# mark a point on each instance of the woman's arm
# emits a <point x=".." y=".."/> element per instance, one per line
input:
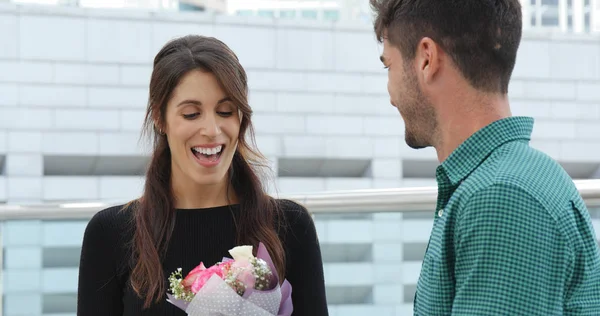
<point x="99" y="289"/>
<point x="304" y="262"/>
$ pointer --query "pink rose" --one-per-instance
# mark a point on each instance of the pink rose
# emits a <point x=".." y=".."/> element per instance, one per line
<point x="193" y="275"/>
<point x="196" y="279"/>
<point x="245" y="276"/>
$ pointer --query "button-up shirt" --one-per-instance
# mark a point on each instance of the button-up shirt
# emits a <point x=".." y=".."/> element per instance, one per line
<point x="511" y="234"/>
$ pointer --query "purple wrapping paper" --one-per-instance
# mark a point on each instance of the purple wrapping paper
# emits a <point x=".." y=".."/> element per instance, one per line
<point x="285" y="306"/>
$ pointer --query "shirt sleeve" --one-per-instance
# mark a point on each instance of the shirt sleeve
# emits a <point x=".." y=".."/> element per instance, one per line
<point x="305" y="265"/>
<point x="510" y="256"/>
<point x="99" y="290"/>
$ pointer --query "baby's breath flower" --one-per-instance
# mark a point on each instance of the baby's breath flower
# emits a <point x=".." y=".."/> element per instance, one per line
<point x="177" y="289"/>
<point x="262" y="274"/>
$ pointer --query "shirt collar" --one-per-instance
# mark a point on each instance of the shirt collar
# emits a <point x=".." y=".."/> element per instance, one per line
<point x="481" y="144"/>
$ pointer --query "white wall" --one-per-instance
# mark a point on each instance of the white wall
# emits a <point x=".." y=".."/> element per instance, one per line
<point x="74" y="83"/>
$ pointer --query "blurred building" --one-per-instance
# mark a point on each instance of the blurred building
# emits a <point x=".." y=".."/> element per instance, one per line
<point x="325" y="10"/>
<point x="574" y="16"/>
<point x="577" y="16"/>
<point x="219" y="6"/>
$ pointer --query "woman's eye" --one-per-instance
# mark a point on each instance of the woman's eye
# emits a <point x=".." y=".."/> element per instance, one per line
<point x="190" y="116"/>
<point x="225" y="114"/>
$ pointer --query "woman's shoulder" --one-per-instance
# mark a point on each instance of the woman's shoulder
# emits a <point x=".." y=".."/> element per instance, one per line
<point x="114" y="221"/>
<point x="292" y="210"/>
<point x="290" y="206"/>
<point x="296" y="217"/>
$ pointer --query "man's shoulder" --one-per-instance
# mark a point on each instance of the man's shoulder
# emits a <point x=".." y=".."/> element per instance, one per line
<point x="521" y="168"/>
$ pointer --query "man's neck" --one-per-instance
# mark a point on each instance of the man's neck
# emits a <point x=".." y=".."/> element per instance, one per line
<point x="459" y="121"/>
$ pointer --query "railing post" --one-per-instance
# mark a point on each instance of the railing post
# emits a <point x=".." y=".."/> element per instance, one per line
<point x="595" y="16"/>
<point x="563" y="10"/>
<point x="526" y="13"/>
<point x="578" y="16"/>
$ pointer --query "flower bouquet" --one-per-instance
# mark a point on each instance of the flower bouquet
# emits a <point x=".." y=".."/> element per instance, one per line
<point x="244" y="285"/>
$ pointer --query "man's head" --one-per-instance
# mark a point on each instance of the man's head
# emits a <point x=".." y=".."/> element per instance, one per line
<point x="429" y="43"/>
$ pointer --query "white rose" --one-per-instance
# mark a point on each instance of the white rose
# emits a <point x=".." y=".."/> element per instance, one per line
<point x="241" y="253"/>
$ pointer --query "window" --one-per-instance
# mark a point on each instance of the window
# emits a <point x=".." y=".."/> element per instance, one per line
<point x="309" y="14"/>
<point x="553" y="3"/>
<point x="287" y="14"/>
<point x="587" y="22"/>
<point x="244" y="12"/>
<point x="549" y="20"/>
<point x="331" y="15"/>
<point x="190" y="7"/>
<point x="266" y="13"/>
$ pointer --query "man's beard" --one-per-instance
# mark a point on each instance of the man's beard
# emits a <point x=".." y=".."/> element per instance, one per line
<point x="420" y="122"/>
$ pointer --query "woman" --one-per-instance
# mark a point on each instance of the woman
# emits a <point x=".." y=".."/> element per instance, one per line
<point x="202" y="195"/>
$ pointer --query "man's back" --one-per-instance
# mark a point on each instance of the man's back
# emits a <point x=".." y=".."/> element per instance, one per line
<point x="511" y="235"/>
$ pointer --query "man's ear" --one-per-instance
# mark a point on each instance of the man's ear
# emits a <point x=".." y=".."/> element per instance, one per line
<point x="427" y="59"/>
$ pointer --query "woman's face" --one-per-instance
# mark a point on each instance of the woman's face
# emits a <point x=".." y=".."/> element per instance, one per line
<point x="202" y="128"/>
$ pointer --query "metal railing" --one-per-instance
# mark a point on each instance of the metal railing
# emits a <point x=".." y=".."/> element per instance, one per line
<point x="341" y="202"/>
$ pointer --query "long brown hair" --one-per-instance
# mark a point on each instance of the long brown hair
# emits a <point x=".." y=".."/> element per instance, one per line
<point x="154" y="211"/>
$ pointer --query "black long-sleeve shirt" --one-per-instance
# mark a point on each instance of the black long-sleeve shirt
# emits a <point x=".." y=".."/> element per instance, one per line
<point x="199" y="235"/>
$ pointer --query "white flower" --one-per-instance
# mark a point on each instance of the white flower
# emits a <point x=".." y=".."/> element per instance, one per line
<point x="241" y="253"/>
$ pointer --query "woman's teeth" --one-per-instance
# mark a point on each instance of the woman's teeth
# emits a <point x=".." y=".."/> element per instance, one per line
<point x="208" y="151"/>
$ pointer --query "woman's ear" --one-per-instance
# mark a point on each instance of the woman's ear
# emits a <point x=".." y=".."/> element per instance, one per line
<point x="158" y="128"/>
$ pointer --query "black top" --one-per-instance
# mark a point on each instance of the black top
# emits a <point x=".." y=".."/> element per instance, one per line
<point x="200" y="235"/>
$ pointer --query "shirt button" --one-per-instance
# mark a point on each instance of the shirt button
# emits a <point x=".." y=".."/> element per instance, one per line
<point x="441" y="212"/>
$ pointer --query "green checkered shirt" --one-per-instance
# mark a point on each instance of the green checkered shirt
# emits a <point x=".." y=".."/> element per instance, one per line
<point x="511" y="234"/>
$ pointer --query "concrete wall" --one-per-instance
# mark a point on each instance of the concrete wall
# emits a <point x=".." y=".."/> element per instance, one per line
<point x="73" y="88"/>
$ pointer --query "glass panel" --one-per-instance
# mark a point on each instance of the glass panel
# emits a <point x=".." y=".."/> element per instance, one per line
<point x="40" y="260"/>
<point x="56" y="257"/>
<point x="245" y="13"/>
<point x="587" y="21"/>
<point x="190" y="7"/>
<point x="570" y="22"/>
<point x="371" y="259"/>
<point x="59" y="303"/>
<point x="331" y="15"/>
<point x="287" y="14"/>
<point x="309" y="14"/>
<point x="266" y="13"/>
<point x="550" y="2"/>
<point x="549" y="20"/>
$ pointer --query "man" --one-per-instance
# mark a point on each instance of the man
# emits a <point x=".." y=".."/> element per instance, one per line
<point x="511" y="234"/>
